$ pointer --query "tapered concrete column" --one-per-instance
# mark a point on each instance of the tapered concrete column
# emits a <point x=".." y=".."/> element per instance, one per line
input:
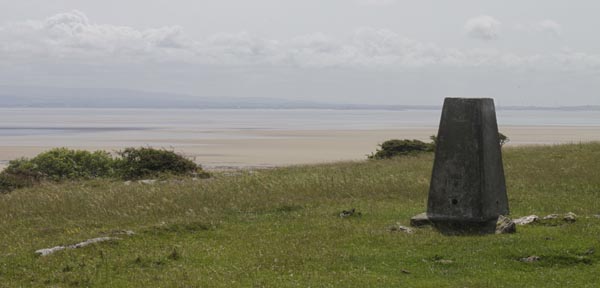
<point x="468" y="190"/>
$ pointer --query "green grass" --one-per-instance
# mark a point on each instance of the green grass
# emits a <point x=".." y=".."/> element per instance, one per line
<point x="280" y="228"/>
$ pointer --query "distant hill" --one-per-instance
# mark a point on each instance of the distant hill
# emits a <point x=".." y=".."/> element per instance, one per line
<point x="55" y="97"/>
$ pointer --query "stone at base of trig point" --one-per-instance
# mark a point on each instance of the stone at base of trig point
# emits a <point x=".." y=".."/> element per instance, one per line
<point x="420" y="220"/>
<point x="502" y="225"/>
<point x="463" y="227"/>
<point x="455" y="227"/>
<point x="468" y="191"/>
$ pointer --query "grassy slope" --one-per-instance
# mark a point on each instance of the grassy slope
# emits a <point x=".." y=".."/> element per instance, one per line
<point x="279" y="228"/>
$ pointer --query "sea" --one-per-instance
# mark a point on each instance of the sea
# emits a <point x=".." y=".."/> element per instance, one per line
<point x="229" y="137"/>
<point x="69" y="121"/>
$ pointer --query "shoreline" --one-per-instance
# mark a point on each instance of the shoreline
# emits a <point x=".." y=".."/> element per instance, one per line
<point x="255" y="148"/>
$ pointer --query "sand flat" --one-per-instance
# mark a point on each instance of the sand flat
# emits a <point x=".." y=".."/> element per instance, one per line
<point x="268" y="147"/>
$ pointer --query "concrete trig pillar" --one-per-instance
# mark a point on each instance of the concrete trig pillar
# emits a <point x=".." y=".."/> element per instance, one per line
<point x="468" y="190"/>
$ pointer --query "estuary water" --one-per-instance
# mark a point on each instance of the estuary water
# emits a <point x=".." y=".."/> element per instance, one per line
<point x="44" y="121"/>
<point x="261" y="137"/>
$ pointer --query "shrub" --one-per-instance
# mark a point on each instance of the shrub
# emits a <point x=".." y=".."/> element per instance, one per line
<point x="56" y="165"/>
<point x="64" y="164"/>
<point x="137" y="163"/>
<point x="395" y="147"/>
<point x="9" y="182"/>
<point x="503" y="139"/>
<point x="434" y="140"/>
<point x="392" y="148"/>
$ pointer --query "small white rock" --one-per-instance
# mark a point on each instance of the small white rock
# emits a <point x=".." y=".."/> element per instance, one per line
<point x="551" y="216"/>
<point x="570" y="217"/>
<point x="400" y="228"/>
<point x="526" y="220"/>
<point x="91" y="241"/>
<point x="530" y="259"/>
<point x="48" y="251"/>
<point x="124" y="232"/>
<point x="444" y="261"/>
<point x="505" y="225"/>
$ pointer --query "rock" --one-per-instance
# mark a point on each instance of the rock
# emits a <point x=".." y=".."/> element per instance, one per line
<point x="570" y="217"/>
<point x="400" y="228"/>
<point x="505" y="225"/>
<point x="48" y="251"/>
<point x="444" y="261"/>
<point x="530" y="259"/>
<point x="420" y="220"/>
<point x="147" y="181"/>
<point x="122" y="232"/>
<point x="526" y="220"/>
<point x="405" y="271"/>
<point x="348" y="213"/>
<point x="91" y="241"/>
<point x="551" y="216"/>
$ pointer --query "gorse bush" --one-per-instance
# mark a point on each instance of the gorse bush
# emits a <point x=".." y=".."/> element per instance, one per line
<point x="56" y="165"/>
<point x="65" y="164"/>
<point x="9" y="182"/>
<point x="395" y="147"/>
<point x="503" y="139"/>
<point x="137" y="163"/>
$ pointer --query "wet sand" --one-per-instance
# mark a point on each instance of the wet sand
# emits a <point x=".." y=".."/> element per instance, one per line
<point x="267" y="147"/>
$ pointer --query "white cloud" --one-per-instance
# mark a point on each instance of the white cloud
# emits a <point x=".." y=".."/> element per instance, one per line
<point x="73" y="38"/>
<point x="375" y="2"/>
<point x="65" y="21"/>
<point x="549" y="26"/>
<point x="382" y="46"/>
<point x="316" y="50"/>
<point x="72" y="35"/>
<point x="240" y="48"/>
<point x="483" y="27"/>
<point x="167" y="37"/>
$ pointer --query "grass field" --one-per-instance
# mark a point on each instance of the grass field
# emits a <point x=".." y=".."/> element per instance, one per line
<point x="281" y="228"/>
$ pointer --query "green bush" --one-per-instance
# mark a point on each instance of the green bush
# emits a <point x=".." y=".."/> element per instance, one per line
<point x="434" y="140"/>
<point x="65" y="164"/>
<point x="395" y="147"/>
<point x="137" y="163"/>
<point x="9" y="182"/>
<point x="503" y="139"/>
<point x="56" y="165"/>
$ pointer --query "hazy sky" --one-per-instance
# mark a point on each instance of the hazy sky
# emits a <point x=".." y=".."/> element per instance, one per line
<point x="350" y="51"/>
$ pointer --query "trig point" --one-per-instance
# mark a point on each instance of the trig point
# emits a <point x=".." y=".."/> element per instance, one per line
<point x="468" y="190"/>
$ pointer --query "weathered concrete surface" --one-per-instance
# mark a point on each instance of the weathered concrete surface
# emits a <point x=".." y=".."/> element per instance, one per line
<point x="468" y="190"/>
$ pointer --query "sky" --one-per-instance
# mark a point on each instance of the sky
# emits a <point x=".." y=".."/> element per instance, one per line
<point x="519" y="52"/>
